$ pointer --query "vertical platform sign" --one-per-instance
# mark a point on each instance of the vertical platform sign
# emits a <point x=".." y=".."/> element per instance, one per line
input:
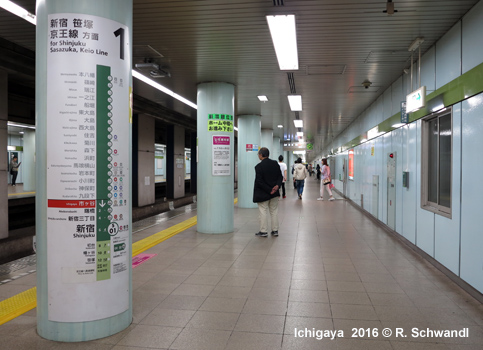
<point x="88" y="126"/>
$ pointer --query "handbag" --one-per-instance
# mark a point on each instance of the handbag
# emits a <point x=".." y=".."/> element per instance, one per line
<point x="326" y="181"/>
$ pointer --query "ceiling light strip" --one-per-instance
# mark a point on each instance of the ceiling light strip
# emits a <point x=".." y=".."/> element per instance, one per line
<point x="21" y="12"/>
<point x="284" y="38"/>
<point x="18" y="11"/>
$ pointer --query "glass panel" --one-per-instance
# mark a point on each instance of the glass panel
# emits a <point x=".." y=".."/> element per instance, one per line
<point x="445" y="161"/>
<point x="433" y="160"/>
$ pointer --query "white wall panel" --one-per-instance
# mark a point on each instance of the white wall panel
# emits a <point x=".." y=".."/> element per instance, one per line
<point x="472" y="38"/>
<point x="448" y="56"/>
<point x="424" y="218"/>
<point x="428" y="71"/>
<point x="398" y="146"/>
<point x="387" y="108"/>
<point x="387" y="148"/>
<point x="447" y="231"/>
<point x="472" y="190"/>
<point x="397" y="96"/>
<point x="409" y="194"/>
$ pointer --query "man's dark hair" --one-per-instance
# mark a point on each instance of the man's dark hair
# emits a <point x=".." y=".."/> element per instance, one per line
<point x="299" y="160"/>
<point x="280" y="158"/>
<point x="264" y="152"/>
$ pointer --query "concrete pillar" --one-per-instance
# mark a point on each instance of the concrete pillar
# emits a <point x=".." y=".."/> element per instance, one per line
<point x="249" y="135"/>
<point x="143" y="146"/>
<point x="175" y="162"/>
<point x="28" y="163"/>
<point x="84" y="163"/>
<point x="194" y="162"/>
<point x="275" y="151"/>
<point x="3" y="154"/>
<point x="267" y="140"/>
<point x="216" y="104"/>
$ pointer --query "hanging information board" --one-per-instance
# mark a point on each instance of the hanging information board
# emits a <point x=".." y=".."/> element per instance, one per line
<point x="88" y="133"/>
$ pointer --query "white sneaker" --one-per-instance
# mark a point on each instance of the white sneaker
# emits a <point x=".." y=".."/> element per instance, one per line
<point x="320" y="199"/>
<point x="331" y="199"/>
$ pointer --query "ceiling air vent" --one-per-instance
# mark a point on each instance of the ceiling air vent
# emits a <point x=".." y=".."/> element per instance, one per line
<point x="392" y="56"/>
<point x="277" y="2"/>
<point x="326" y="69"/>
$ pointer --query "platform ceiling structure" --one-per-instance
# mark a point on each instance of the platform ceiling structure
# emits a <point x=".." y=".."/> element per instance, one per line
<point x="341" y="44"/>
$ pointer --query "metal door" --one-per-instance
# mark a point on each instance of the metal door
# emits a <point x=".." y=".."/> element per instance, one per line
<point x="391" y="190"/>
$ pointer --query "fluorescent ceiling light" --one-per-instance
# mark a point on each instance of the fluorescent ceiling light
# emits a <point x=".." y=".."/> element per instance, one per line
<point x="17" y="10"/>
<point x="298" y="123"/>
<point x="18" y="125"/>
<point x="236" y="129"/>
<point x="163" y="89"/>
<point x="295" y="102"/>
<point x="280" y="126"/>
<point x="398" y="125"/>
<point x="300" y="134"/>
<point x="263" y="98"/>
<point x="284" y="37"/>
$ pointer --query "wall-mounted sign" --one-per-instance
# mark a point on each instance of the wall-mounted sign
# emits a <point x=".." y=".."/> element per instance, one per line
<point x="416" y="99"/>
<point x="404" y="114"/>
<point x="220" y="122"/>
<point x="221" y="162"/>
<point x="88" y="174"/>
<point x="251" y="148"/>
<point x="351" y="164"/>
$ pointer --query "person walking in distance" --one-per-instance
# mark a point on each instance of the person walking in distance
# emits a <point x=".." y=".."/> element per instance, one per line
<point x="326" y="181"/>
<point x="14" y="169"/>
<point x="283" y="169"/>
<point x="300" y="173"/>
<point x="268" y="180"/>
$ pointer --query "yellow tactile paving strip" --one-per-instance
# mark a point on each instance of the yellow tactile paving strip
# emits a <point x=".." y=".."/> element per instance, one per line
<point x="26" y="301"/>
<point x="17" y="305"/>
<point x="19" y="194"/>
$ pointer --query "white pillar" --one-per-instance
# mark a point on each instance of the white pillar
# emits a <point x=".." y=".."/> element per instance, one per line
<point x="215" y="188"/>
<point x="28" y="163"/>
<point x="267" y="139"/>
<point x="249" y="135"/>
<point x="84" y="149"/>
<point x="3" y="154"/>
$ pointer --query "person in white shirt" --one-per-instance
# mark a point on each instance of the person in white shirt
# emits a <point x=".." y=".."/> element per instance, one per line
<point x="283" y="169"/>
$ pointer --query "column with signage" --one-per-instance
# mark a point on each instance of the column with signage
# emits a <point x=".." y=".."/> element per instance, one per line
<point x="3" y="155"/>
<point x="249" y="135"/>
<point x="83" y="142"/>
<point x="215" y="156"/>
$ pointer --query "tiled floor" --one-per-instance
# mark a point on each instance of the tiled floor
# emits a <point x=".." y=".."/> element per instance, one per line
<point x="330" y="270"/>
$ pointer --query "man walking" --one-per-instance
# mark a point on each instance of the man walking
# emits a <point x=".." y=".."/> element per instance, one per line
<point x="268" y="179"/>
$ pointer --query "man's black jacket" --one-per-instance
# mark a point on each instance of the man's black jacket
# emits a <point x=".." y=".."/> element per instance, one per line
<point x="267" y="176"/>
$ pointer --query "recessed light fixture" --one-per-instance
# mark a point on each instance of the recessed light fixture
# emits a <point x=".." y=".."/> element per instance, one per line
<point x="19" y="11"/>
<point x="284" y="37"/>
<point x="160" y="87"/>
<point x="263" y="98"/>
<point x="398" y="125"/>
<point x="298" y="123"/>
<point x="280" y="126"/>
<point x="295" y="102"/>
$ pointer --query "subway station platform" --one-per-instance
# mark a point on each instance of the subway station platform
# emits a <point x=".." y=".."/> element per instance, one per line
<point x="332" y="272"/>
